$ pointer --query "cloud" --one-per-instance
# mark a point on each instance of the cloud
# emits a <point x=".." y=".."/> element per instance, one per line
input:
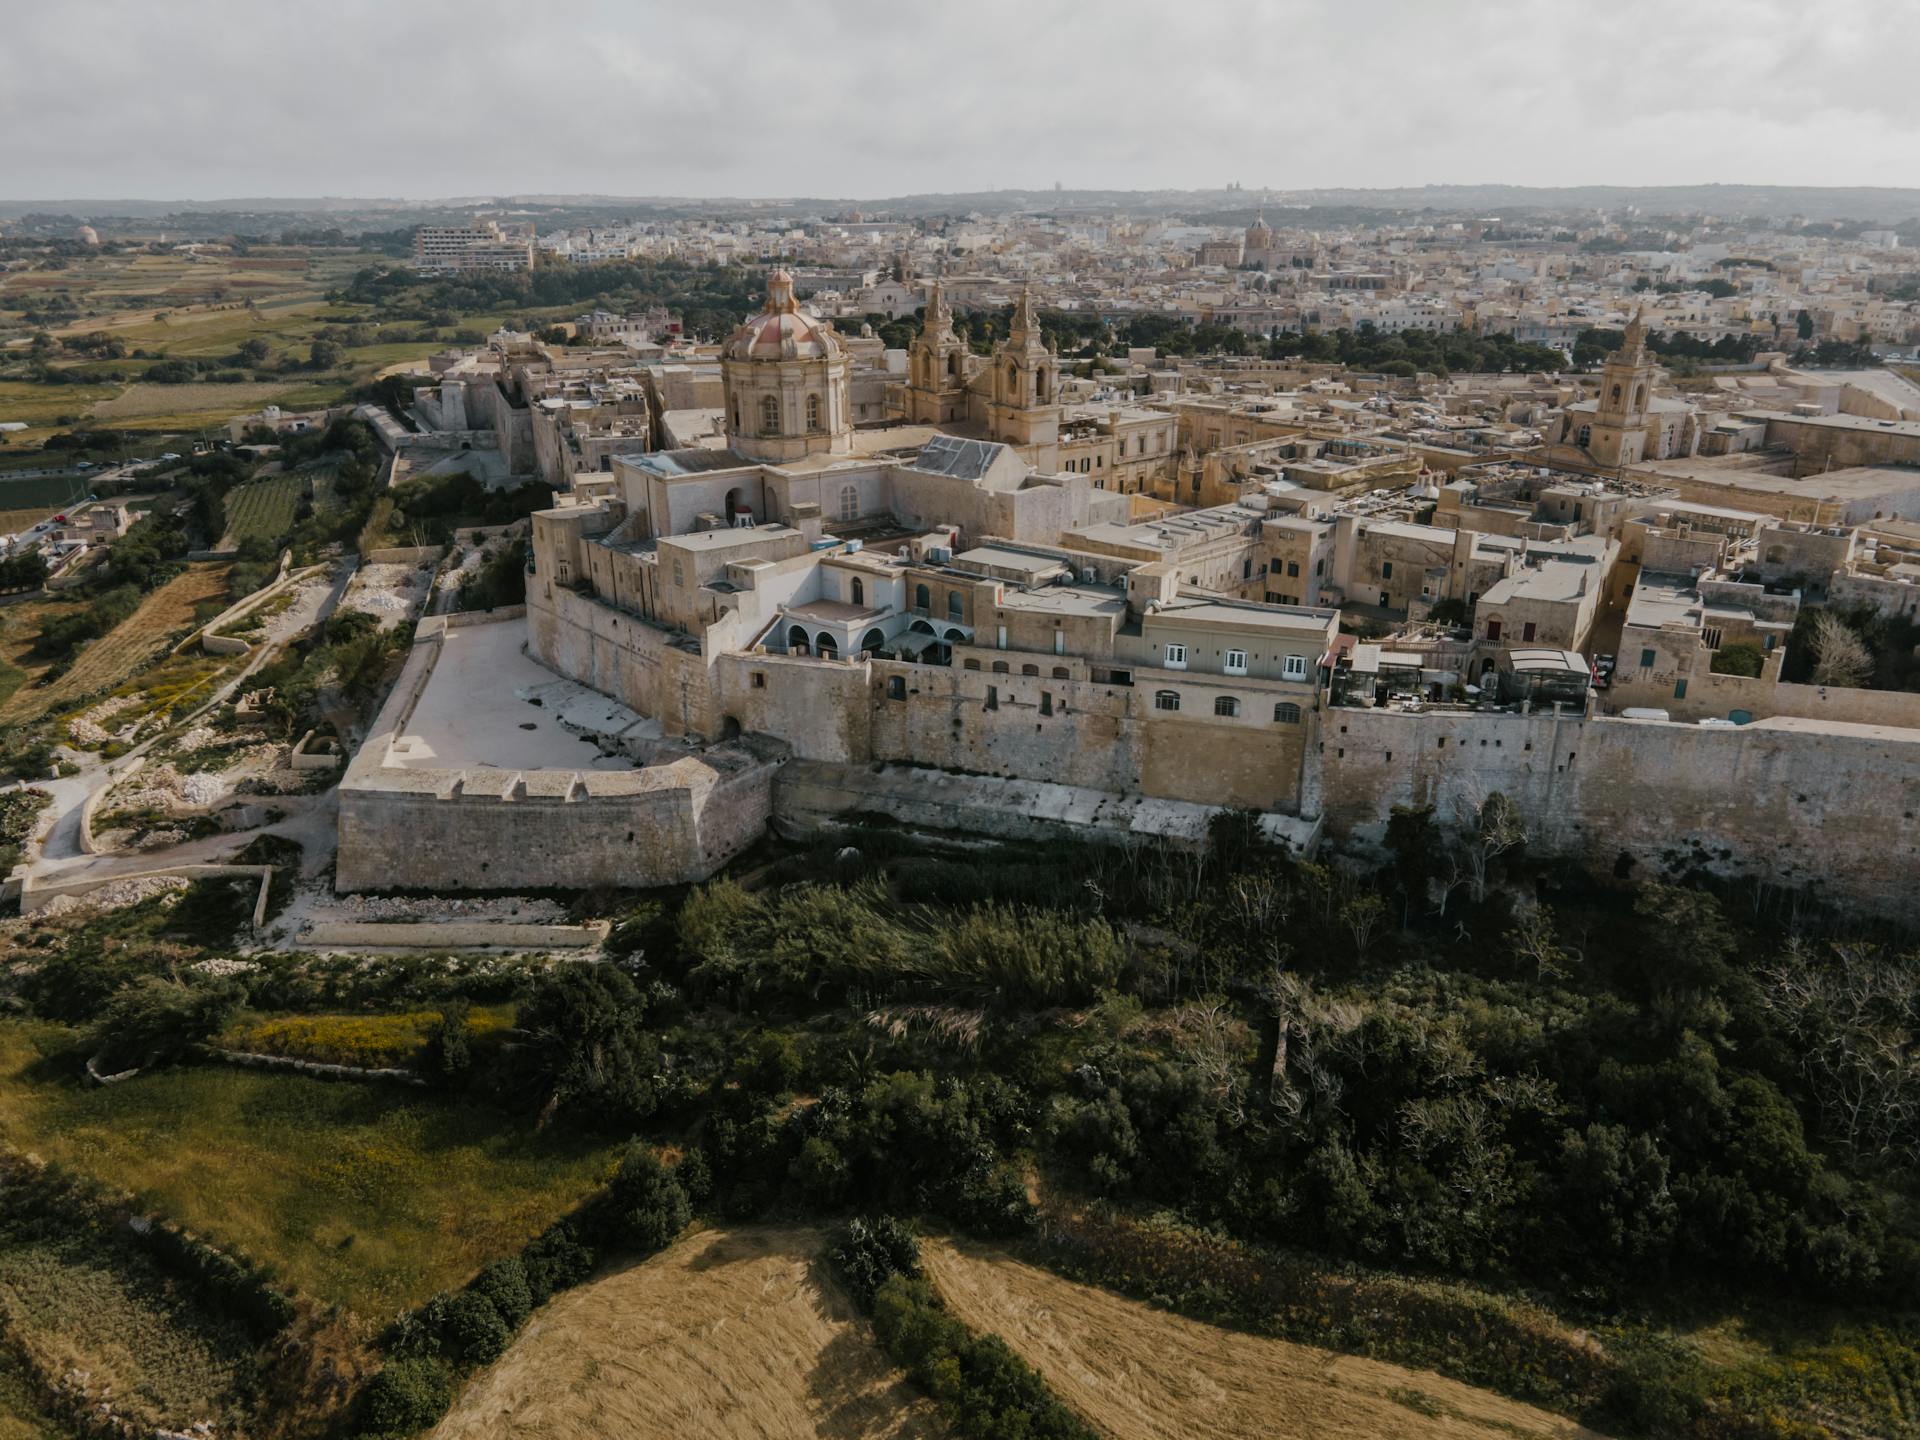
<point x="216" y="98"/>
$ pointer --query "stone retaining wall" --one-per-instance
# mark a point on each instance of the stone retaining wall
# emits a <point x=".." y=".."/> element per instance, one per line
<point x="453" y="935"/>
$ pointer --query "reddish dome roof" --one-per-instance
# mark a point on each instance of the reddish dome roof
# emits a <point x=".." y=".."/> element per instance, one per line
<point x="781" y="331"/>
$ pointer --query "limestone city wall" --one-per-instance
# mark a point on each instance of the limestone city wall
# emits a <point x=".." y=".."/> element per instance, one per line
<point x="1834" y="807"/>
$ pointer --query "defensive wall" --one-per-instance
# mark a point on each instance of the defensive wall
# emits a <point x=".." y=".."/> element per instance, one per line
<point x="1796" y="802"/>
<point x="481" y="827"/>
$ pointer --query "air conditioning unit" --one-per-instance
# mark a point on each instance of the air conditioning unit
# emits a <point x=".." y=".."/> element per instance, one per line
<point x="1089" y="576"/>
<point x="939" y="555"/>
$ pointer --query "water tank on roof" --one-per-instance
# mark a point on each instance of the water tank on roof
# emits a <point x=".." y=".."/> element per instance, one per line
<point x="854" y="547"/>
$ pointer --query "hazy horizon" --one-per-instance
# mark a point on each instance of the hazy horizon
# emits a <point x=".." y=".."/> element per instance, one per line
<point x="220" y="100"/>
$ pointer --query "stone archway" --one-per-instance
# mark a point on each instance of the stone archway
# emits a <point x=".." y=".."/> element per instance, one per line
<point x="797" y="641"/>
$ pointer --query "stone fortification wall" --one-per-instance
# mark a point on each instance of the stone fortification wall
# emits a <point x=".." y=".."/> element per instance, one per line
<point x="1833" y="806"/>
<point x="1711" y="696"/>
<point x="1077" y="732"/>
<point x="477" y="828"/>
<point x="636" y="662"/>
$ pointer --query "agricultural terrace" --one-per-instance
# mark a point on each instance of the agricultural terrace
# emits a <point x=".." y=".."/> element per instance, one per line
<point x="102" y="664"/>
<point x="262" y="510"/>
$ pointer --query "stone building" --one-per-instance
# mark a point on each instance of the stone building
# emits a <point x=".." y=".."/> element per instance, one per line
<point x="784" y="375"/>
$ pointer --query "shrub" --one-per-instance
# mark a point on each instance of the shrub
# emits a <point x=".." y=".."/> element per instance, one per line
<point x="475" y="1328"/>
<point x="504" y="1283"/>
<point x="448" y="1054"/>
<point x="871" y="1252"/>
<point x="556" y="1261"/>
<point x="1740" y="659"/>
<point x="406" y="1396"/>
<point x="154" y="1021"/>
<point x="648" y="1205"/>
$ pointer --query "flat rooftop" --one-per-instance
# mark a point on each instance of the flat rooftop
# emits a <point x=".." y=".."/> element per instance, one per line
<point x="472" y="712"/>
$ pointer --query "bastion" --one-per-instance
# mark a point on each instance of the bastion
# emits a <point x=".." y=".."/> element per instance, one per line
<point x="486" y="770"/>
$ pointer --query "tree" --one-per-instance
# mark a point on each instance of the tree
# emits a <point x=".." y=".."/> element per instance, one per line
<point x="325" y="354"/>
<point x="648" y="1205"/>
<point x="1741" y="659"/>
<point x="583" y="1033"/>
<point x="1803" y="323"/>
<point x="1840" y="656"/>
<point x="254" y="351"/>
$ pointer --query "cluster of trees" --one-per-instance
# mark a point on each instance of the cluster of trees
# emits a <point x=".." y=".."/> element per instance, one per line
<point x="711" y="299"/>
<point x="1593" y="345"/>
<point x="1853" y="649"/>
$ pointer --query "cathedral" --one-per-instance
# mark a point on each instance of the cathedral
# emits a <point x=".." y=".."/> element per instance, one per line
<point x="1011" y="396"/>
<point x="1628" y="423"/>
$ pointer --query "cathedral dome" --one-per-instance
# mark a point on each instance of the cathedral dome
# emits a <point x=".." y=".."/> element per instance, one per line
<point x="1259" y="234"/>
<point x="781" y="331"/>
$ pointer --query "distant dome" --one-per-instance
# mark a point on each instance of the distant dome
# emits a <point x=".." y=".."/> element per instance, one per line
<point x="1259" y="234"/>
<point x="88" y="235"/>
<point x="781" y="331"/>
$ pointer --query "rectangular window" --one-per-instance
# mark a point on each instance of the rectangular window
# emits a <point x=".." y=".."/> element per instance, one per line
<point x="1046" y="703"/>
<point x="1493" y="629"/>
<point x="1236" y="662"/>
<point x="1293" y="570"/>
<point x="1679" y="689"/>
<point x="1712" y="638"/>
<point x="759" y="680"/>
<point x="1386" y="570"/>
<point x="1000" y="637"/>
<point x="1059" y="642"/>
<point x="1293" y="667"/>
<point x="1176" y="657"/>
<point x="1526" y="631"/>
<point x="1646" y="659"/>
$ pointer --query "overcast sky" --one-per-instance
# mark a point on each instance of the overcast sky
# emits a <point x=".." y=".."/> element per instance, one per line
<point x="201" y="99"/>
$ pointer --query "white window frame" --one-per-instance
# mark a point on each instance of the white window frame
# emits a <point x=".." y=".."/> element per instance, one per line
<point x="1176" y="657"/>
<point x="1293" y="667"/>
<point x="1236" y="662"/>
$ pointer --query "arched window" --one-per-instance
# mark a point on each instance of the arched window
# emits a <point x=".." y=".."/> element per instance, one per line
<point x="1639" y="397"/>
<point x="871" y="641"/>
<point x="769" y="414"/>
<point x="736" y="415"/>
<point x="1286" y="713"/>
<point x="1030" y="670"/>
<point x="813" y="412"/>
<point x="849" y="502"/>
<point x="1060" y="672"/>
<point x="896" y="687"/>
<point x="969" y="664"/>
<point x="956" y="605"/>
<point x="825" y="648"/>
<point x="1226" y="705"/>
<point x="797" y="640"/>
<point x="1040" y="388"/>
<point x="1616" y="394"/>
<point x="1166" y="699"/>
<point x="1585" y="436"/>
<point x="999" y="667"/>
<point x="922" y="598"/>
<point x="1013" y="380"/>
<point x="953" y="363"/>
<point x="857" y="592"/>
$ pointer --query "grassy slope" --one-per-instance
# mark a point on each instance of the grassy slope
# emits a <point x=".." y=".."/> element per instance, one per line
<point x="370" y="1197"/>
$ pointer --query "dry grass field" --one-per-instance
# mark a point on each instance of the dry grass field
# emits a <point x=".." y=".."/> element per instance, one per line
<point x="137" y="639"/>
<point x="727" y="1335"/>
<point x="1138" y="1373"/>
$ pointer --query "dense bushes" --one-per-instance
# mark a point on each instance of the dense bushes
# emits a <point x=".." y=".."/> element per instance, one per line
<point x="986" y="1391"/>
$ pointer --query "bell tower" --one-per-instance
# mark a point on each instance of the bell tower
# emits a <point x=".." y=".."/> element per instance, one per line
<point x="1619" y="434"/>
<point x="936" y="367"/>
<point x="1026" y="388"/>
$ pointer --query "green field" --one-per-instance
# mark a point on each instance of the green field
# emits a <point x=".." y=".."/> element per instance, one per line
<point x="369" y="1197"/>
<point x="43" y="492"/>
<point x="263" y="510"/>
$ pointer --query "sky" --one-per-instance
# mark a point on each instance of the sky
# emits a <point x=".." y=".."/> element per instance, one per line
<point x="205" y="99"/>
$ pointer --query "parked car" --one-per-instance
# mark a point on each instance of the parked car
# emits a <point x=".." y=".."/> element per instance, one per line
<point x="1602" y="672"/>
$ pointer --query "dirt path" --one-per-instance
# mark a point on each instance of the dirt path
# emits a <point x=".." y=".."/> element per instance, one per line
<point x="1137" y="1372"/>
<point x="728" y="1335"/>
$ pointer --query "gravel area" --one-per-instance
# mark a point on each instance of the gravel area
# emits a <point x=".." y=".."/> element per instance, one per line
<point x="116" y="894"/>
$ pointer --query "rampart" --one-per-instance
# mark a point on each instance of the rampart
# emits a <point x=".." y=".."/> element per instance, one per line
<point x="480" y="827"/>
<point x="1795" y="802"/>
